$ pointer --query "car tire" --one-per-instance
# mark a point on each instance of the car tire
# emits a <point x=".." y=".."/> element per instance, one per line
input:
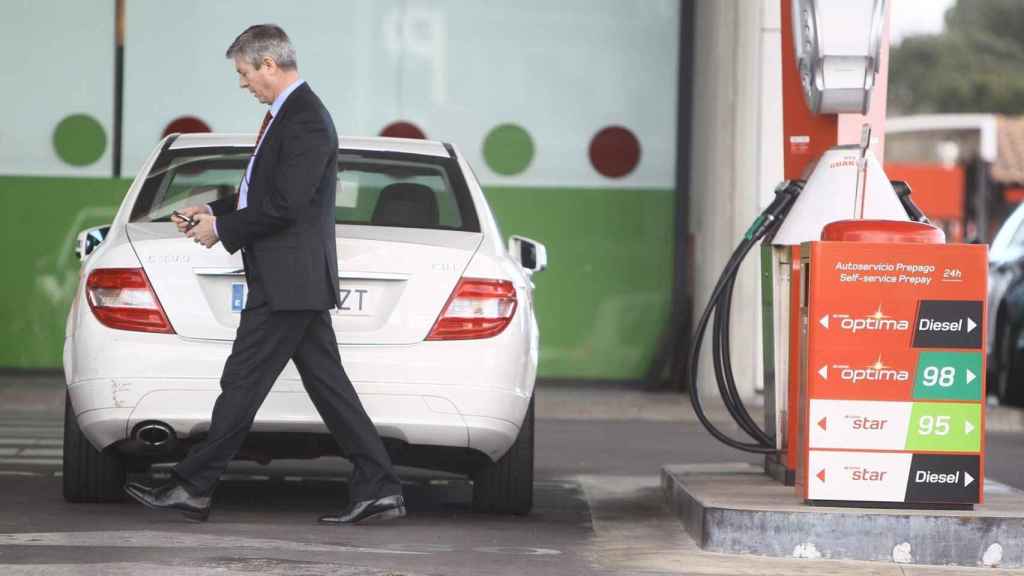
<point x="1008" y="374"/>
<point x="506" y="486"/>
<point x="89" y="475"/>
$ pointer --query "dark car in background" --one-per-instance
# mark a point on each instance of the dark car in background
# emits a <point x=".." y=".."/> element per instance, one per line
<point x="1006" y="311"/>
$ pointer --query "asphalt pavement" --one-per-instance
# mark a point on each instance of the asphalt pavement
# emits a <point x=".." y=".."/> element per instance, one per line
<point x="598" y="504"/>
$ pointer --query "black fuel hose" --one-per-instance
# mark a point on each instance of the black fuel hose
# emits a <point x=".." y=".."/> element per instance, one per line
<point x="721" y="304"/>
<point x="723" y="371"/>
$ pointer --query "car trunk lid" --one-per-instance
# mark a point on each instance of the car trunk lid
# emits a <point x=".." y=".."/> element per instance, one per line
<point x="394" y="281"/>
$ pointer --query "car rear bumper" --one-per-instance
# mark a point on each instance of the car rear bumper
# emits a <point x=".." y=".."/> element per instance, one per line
<point x="484" y="419"/>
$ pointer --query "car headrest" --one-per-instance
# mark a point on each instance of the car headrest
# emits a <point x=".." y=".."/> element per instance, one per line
<point x="406" y="204"/>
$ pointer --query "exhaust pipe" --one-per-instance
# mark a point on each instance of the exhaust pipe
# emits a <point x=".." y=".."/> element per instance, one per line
<point x="155" y="435"/>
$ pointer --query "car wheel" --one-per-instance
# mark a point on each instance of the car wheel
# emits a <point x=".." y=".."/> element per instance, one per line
<point x="89" y="475"/>
<point x="506" y="486"/>
<point x="1009" y="388"/>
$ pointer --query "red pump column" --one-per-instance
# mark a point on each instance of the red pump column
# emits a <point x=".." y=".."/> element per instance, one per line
<point x="805" y="137"/>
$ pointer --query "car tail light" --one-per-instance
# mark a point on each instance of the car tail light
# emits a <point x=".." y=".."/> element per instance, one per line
<point x="476" y="309"/>
<point x="122" y="298"/>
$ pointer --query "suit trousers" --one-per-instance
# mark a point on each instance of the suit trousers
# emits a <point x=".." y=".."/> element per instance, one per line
<point x="265" y="341"/>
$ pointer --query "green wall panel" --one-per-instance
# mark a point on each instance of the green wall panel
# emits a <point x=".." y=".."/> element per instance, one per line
<point x="601" y="303"/>
<point x="38" y="224"/>
<point x="604" y="298"/>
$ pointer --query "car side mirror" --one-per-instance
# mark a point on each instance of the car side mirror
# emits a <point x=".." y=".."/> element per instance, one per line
<point x="530" y="254"/>
<point x="90" y="239"/>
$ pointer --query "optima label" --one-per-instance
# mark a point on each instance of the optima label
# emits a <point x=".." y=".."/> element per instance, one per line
<point x="872" y="374"/>
<point x="862" y="374"/>
<point x="873" y="324"/>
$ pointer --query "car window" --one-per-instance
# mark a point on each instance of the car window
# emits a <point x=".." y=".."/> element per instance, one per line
<point x="192" y="180"/>
<point x="374" y="188"/>
<point x="1018" y="236"/>
<point x="382" y="191"/>
<point x="1010" y="235"/>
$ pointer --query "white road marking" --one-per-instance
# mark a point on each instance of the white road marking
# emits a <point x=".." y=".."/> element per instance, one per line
<point x="157" y="539"/>
<point x="21" y="431"/>
<point x="31" y="442"/>
<point x="32" y="461"/>
<point x="30" y="450"/>
<point x="40" y="452"/>
<point x="210" y="568"/>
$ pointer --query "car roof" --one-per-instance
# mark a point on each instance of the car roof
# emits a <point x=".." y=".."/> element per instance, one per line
<point x="373" y="144"/>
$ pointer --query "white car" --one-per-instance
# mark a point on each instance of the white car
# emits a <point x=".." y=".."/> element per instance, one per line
<point x="437" y="329"/>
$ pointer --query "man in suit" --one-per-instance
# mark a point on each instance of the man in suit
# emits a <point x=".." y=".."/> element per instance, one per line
<point x="282" y="219"/>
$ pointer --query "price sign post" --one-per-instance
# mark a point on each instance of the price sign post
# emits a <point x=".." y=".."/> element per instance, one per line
<point x="893" y="387"/>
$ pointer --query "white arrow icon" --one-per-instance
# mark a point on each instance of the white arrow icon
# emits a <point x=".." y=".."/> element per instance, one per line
<point x="968" y="479"/>
<point x="824" y="321"/>
<point x="968" y="427"/>
<point x="970" y="376"/>
<point x="824" y="372"/>
<point x="970" y="325"/>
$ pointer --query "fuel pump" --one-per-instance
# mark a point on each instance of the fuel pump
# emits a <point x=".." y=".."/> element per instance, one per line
<point x="873" y="354"/>
<point x="847" y="183"/>
<point x="836" y="48"/>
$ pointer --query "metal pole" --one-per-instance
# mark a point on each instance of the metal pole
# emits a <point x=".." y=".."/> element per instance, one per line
<point x="118" y="85"/>
<point x="674" y="342"/>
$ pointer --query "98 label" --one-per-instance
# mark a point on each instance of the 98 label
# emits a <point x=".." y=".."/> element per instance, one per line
<point x="948" y="376"/>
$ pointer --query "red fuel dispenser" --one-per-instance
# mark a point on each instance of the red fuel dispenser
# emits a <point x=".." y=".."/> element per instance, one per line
<point x="899" y="295"/>
<point x="892" y="387"/>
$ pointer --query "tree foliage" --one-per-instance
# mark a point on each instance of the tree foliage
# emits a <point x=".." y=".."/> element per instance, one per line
<point x="975" y="65"/>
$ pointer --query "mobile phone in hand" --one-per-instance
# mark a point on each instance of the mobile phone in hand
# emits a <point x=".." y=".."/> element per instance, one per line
<point x="189" y="222"/>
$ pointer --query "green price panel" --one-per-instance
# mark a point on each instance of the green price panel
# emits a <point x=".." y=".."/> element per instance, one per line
<point x="948" y="376"/>
<point x="944" y="427"/>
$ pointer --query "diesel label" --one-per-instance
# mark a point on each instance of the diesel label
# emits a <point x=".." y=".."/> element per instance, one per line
<point x="949" y="324"/>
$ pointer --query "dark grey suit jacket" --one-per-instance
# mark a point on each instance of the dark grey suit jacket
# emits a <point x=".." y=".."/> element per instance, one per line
<point x="286" y="232"/>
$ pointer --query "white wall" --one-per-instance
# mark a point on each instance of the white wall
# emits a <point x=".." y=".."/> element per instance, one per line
<point x="561" y="70"/>
<point x="63" y="66"/>
<point x="736" y="159"/>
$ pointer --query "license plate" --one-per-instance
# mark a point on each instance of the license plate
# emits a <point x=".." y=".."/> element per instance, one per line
<point x="355" y="300"/>
<point x="239" y="293"/>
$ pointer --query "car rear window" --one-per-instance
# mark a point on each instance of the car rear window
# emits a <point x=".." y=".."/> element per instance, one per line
<point x="374" y="188"/>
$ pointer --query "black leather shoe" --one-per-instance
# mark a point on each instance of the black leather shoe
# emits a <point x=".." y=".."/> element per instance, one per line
<point x="171" y="496"/>
<point x="384" y="508"/>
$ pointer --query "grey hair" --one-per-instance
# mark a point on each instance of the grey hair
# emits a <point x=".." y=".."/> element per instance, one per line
<point x="264" y="40"/>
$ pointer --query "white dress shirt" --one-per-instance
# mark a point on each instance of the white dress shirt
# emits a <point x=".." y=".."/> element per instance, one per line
<point x="243" y="188"/>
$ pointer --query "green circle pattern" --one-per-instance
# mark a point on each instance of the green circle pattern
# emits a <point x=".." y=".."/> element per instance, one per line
<point x="508" y="149"/>
<point x="79" y="140"/>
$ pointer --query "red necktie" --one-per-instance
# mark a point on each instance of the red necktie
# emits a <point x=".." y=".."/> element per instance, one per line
<point x="263" y="128"/>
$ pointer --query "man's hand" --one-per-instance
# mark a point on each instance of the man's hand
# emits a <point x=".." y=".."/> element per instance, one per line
<point x="190" y="212"/>
<point x="203" y="231"/>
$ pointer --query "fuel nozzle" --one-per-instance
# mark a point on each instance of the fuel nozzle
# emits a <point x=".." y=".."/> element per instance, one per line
<point x="786" y="194"/>
<point x="903" y="193"/>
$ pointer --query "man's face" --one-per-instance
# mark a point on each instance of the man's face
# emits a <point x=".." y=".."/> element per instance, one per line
<point x="259" y="81"/>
